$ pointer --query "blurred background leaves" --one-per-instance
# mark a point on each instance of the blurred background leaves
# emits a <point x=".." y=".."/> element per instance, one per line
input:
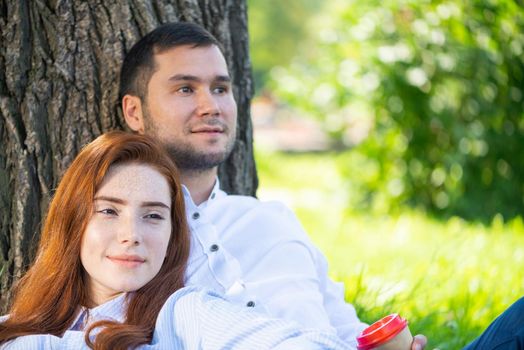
<point x="423" y="101"/>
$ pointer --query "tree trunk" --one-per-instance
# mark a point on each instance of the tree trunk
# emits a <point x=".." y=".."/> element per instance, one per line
<point x="59" y="68"/>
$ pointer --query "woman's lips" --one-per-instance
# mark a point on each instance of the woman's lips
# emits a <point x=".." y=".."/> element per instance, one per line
<point x="125" y="260"/>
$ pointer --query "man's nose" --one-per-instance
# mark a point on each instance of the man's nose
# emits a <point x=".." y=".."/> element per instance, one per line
<point x="207" y="104"/>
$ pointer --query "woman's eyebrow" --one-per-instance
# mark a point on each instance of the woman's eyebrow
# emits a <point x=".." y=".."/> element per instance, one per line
<point x="110" y="199"/>
<point x="143" y="204"/>
<point x="155" y="204"/>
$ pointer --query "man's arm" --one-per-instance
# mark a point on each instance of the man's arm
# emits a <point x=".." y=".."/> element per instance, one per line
<point x="291" y="275"/>
<point x="219" y="324"/>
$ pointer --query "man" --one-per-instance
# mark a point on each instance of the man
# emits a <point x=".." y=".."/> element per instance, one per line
<point x="175" y="85"/>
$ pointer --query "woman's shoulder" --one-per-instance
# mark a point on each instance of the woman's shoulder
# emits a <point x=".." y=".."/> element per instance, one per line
<point x="192" y="295"/>
<point x="179" y="322"/>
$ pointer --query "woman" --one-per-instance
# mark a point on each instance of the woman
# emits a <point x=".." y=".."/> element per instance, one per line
<point x="109" y="270"/>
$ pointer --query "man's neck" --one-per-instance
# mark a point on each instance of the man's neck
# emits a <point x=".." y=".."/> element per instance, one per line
<point x="199" y="183"/>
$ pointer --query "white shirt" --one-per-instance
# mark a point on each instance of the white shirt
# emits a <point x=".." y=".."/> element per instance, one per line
<point x="192" y="319"/>
<point x="257" y="255"/>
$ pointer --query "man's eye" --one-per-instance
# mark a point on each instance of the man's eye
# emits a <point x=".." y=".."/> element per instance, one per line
<point x="220" y="90"/>
<point x="185" y="90"/>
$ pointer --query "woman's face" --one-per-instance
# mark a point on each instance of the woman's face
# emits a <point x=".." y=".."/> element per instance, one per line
<point x="125" y="242"/>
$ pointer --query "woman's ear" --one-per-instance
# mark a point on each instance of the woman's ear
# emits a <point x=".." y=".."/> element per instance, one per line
<point x="133" y="114"/>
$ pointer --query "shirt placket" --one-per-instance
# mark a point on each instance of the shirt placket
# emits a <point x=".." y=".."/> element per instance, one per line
<point x="222" y="266"/>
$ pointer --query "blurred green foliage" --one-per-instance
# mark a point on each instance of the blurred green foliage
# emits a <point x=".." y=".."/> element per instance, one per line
<point x="429" y="95"/>
<point x="276" y="30"/>
<point x="450" y="278"/>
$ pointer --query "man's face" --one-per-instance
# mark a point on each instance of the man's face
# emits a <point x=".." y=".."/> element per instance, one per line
<point x="190" y="107"/>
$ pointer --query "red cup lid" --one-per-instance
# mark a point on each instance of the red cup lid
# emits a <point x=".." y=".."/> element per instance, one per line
<point x="381" y="332"/>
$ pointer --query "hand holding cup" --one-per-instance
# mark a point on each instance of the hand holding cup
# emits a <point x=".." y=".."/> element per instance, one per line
<point x="389" y="333"/>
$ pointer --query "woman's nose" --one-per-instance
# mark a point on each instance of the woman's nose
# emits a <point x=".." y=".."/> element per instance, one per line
<point x="129" y="232"/>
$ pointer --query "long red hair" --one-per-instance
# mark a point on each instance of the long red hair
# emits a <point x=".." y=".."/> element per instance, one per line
<point x="48" y="297"/>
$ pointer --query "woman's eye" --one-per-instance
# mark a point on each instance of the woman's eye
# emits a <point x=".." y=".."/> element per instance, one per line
<point x="107" y="211"/>
<point x="154" y="216"/>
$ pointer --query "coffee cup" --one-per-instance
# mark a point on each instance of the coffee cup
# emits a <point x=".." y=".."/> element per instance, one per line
<point x="389" y="333"/>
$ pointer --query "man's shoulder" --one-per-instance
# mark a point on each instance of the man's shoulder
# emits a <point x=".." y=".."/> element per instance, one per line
<point x="255" y="218"/>
<point x="250" y="203"/>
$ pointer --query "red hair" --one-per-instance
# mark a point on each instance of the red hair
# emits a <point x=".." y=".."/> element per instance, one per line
<point x="48" y="297"/>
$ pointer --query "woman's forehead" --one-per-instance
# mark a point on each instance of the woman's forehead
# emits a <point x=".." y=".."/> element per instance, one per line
<point x="135" y="181"/>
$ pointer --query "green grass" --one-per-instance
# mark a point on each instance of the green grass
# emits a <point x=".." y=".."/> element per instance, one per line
<point x="449" y="278"/>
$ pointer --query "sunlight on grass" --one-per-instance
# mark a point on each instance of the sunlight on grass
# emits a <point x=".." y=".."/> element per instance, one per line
<point x="450" y="279"/>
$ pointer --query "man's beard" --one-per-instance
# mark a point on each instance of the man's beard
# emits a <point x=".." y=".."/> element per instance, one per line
<point x="188" y="158"/>
<point x="185" y="156"/>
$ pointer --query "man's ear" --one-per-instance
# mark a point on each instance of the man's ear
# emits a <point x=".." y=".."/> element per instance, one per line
<point x="133" y="113"/>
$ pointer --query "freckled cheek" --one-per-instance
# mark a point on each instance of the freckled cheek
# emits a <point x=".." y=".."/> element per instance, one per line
<point x="96" y="240"/>
<point x="91" y="256"/>
<point x="157" y="247"/>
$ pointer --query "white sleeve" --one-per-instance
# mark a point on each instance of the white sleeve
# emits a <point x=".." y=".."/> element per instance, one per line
<point x="340" y="314"/>
<point x="70" y="340"/>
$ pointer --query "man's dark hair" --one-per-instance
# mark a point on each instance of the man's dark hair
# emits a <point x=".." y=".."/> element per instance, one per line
<point x="139" y="64"/>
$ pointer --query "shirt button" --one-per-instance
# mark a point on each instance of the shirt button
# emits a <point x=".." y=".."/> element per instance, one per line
<point x="213" y="248"/>
<point x="250" y="303"/>
<point x="196" y="216"/>
<point x="212" y="196"/>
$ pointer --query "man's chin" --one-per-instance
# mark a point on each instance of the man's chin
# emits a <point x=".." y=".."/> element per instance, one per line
<point x="198" y="162"/>
<point x="206" y="157"/>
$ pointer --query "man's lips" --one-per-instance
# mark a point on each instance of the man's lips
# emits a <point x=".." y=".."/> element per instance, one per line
<point x="207" y="129"/>
<point x="127" y="260"/>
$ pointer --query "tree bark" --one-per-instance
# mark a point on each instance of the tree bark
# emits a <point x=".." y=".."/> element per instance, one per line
<point x="59" y="72"/>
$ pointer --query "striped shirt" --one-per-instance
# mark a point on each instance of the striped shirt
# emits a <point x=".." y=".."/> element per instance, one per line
<point x="194" y="319"/>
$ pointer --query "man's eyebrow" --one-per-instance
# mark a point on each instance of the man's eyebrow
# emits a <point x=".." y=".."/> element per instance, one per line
<point x="188" y="77"/>
<point x="178" y="77"/>
<point x="223" y="78"/>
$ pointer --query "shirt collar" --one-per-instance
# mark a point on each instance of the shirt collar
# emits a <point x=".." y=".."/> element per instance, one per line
<point x="114" y="310"/>
<point x="215" y="194"/>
